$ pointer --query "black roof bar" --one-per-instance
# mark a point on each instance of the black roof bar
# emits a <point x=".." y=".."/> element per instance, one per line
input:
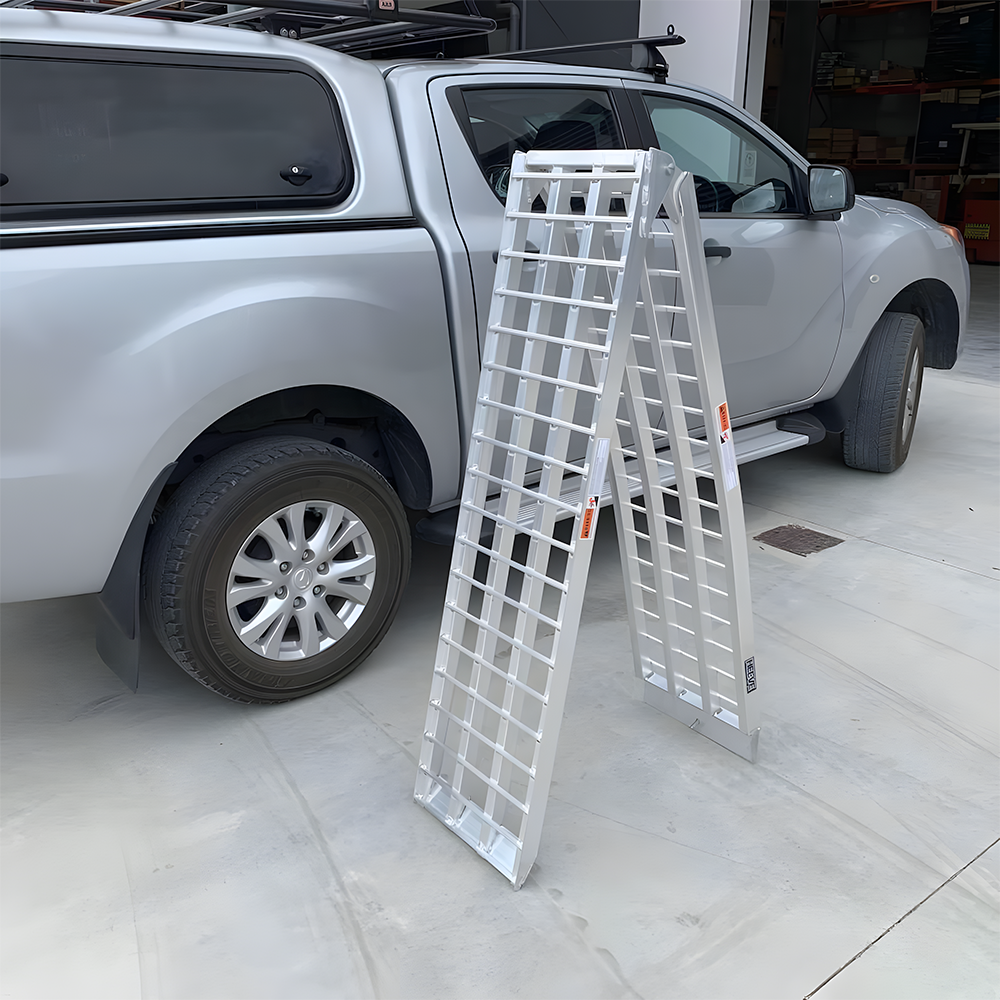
<point x="646" y="55"/>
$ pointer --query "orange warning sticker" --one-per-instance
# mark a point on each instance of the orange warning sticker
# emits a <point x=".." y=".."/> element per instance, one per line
<point x="589" y="517"/>
<point x="723" y="418"/>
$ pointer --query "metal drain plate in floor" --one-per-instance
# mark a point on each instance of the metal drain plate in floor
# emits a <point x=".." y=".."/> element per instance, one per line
<point x="796" y="539"/>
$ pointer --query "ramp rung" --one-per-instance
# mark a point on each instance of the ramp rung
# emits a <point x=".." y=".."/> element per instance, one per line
<point x="509" y="601"/>
<point x="509" y="484"/>
<point x="539" y="377"/>
<point x="559" y="259"/>
<point x="558" y="300"/>
<point x="527" y="453"/>
<point x="583" y="345"/>
<point x="513" y="564"/>
<point x="483" y="662"/>
<point x="520" y="411"/>
<point x="520" y="528"/>
<point x="462" y="759"/>
<point x="579" y="220"/>
<point x="503" y="713"/>
<point x="493" y="630"/>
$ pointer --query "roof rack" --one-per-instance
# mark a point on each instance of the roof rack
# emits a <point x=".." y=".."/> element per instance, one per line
<point x="345" y="25"/>
<point x="646" y="55"/>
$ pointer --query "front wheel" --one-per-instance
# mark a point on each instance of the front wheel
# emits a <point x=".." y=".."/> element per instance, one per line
<point x="879" y="430"/>
<point x="276" y="568"/>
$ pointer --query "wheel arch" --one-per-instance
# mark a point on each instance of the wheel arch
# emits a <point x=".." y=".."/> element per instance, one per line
<point x="933" y="302"/>
<point x="355" y="420"/>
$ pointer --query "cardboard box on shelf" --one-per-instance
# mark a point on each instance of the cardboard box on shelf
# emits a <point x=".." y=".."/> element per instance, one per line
<point x="929" y="201"/>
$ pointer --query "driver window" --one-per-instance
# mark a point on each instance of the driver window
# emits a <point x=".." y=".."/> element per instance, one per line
<point x="502" y="120"/>
<point x="734" y="172"/>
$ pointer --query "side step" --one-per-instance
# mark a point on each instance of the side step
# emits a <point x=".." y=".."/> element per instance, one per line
<point x="752" y="443"/>
<point x="757" y="441"/>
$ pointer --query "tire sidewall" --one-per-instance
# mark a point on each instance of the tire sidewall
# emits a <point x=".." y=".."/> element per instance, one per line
<point x="203" y="607"/>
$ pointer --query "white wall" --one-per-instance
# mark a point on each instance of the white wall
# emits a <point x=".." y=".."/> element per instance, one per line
<point x="726" y="41"/>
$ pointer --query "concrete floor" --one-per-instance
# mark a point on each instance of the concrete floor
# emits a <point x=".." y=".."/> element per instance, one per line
<point x="172" y="844"/>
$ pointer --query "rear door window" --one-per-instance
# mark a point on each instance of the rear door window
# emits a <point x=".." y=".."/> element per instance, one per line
<point x="90" y="137"/>
<point x="499" y="121"/>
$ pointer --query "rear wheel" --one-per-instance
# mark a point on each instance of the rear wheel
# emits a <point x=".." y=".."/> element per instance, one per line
<point x="879" y="431"/>
<point x="276" y="568"/>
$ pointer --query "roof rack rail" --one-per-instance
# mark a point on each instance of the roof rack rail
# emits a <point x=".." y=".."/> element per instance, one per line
<point x="345" y="25"/>
<point x="646" y="56"/>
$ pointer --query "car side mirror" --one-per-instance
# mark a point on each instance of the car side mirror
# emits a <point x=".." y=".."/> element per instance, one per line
<point x="831" y="191"/>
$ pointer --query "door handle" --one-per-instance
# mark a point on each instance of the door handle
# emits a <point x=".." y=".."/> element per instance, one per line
<point x="717" y="251"/>
<point x="529" y="265"/>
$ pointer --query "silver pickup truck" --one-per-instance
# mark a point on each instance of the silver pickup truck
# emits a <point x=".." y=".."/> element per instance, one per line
<point x="245" y="285"/>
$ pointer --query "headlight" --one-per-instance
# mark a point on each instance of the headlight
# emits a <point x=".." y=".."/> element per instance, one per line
<point x="955" y="235"/>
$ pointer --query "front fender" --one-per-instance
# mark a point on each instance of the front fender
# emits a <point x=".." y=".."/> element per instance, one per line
<point x="887" y="250"/>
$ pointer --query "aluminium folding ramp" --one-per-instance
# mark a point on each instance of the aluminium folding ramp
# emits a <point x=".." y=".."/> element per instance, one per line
<point x="552" y="369"/>
<point x="559" y="334"/>
<point x="679" y="512"/>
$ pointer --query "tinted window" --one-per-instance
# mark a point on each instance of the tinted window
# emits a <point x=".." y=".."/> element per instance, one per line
<point x="86" y="133"/>
<point x="503" y="120"/>
<point x="734" y="170"/>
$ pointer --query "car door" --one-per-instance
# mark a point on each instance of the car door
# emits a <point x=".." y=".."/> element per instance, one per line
<point x="778" y="295"/>
<point x="483" y="120"/>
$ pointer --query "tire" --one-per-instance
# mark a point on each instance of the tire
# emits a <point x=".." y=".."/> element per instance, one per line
<point x="324" y="548"/>
<point x="879" y="431"/>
